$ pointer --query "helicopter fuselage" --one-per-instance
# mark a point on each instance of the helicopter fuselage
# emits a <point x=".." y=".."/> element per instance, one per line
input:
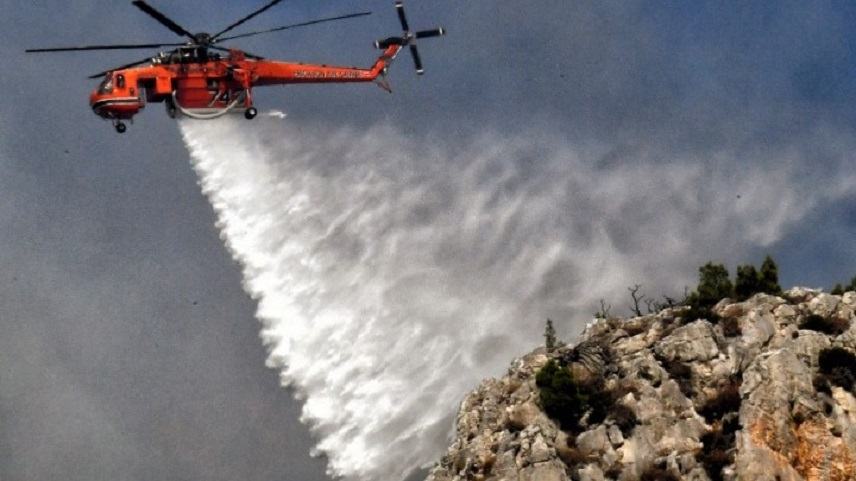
<point x="194" y="83"/>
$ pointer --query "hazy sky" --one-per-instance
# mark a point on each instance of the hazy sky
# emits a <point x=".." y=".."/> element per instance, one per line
<point x="128" y="350"/>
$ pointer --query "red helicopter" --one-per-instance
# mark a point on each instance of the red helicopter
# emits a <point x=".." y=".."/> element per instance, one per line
<point x="194" y="81"/>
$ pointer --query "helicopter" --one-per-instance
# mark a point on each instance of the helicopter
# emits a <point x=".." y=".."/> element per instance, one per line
<point x="195" y="80"/>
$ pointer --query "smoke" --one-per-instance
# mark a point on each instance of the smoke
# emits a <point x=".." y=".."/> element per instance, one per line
<point x="392" y="273"/>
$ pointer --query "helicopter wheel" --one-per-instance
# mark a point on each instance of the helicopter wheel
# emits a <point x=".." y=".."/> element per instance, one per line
<point x="121" y="128"/>
<point x="251" y="113"/>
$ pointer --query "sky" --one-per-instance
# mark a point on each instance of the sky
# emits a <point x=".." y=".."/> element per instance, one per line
<point x="128" y="349"/>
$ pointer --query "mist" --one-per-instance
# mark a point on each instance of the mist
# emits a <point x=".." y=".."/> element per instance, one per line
<point x="393" y="272"/>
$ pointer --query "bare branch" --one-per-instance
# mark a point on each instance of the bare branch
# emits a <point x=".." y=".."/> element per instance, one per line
<point x="603" y="313"/>
<point x="652" y="305"/>
<point x="637" y="297"/>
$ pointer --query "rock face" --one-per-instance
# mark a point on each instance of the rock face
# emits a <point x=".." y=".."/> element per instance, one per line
<point x="740" y="397"/>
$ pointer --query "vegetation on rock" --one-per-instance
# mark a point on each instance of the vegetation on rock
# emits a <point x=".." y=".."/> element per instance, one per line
<point x="727" y="400"/>
<point x="568" y="401"/>
<point x="831" y="325"/>
<point x="680" y="372"/>
<point x="550" y="341"/>
<point x="718" y="444"/>
<point x="838" y="368"/>
<point x="655" y="473"/>
<point x="715" y="285"/>
<point x="721" y="411"/>
<point x="841" y="289"/>
<point x="606" y="405"/>
<point x="748" y="282"/>
<point x="769" y="278"/>
<point x="562" y="398"/>
<point x="570" y="413"/>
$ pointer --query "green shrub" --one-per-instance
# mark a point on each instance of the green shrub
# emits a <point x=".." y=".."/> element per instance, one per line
<point x="562" y="398"/>
<point x="838" y="367"/>
<point x="828" y="325"/>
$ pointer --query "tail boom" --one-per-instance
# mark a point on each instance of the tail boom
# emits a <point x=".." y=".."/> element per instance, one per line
<point x="275" y="73"/>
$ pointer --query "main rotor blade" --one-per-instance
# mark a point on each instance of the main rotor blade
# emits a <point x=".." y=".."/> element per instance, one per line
<point x="416" y="59"/>
<point x="101" y="74"/>
<point x="431" y="33"/>
<point x="163" y="19"/>
<point x="103" y="47"/>
<point x="399" y="8"/>
<point x="248" y="17"/>
<point x="256" y="57"/>
<point x="303" y="24"/>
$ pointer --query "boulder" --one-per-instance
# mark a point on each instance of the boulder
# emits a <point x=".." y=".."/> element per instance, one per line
<point x="693" y="342"/>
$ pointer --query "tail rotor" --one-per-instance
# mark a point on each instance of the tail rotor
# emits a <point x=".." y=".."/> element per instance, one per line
<point x="409" y="38"/>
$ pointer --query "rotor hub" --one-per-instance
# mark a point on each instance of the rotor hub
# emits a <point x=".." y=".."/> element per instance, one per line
<point x="202" y="39"/>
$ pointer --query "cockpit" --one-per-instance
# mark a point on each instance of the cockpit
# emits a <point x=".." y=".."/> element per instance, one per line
<point x="109" y="81"/>
<point x="106" y="85"/>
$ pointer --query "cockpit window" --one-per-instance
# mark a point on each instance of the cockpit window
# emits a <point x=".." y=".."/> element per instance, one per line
<point x="120" y="81"/>
<point x="106" y="85"/>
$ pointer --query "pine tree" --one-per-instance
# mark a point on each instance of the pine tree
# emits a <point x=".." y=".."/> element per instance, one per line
<point x="769" y="277"/>
<point x="841" y="289"/>
<point x="550" y="336"/>
<point x="713" y="285"/>
<point x="747" y="283"/>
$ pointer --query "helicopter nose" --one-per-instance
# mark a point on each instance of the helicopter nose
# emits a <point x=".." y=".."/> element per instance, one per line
<point x="115" y="107"/>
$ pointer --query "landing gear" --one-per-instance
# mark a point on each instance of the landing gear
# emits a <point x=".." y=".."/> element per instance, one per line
<point x="251" y="113"/>
<point x="120" y="127"/>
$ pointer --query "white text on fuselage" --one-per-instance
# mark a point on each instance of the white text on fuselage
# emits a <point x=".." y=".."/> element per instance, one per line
<point x="333" y="75"/>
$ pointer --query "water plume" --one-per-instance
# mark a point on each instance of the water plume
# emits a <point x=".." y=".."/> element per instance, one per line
<point x="392" y="272"/>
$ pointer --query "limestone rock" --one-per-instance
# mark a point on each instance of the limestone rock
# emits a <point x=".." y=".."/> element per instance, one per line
<point x="823" y="305"/>
<point x="692" y="342"/>
<point x="593" y="443"/>
<point x="689" y="399"/>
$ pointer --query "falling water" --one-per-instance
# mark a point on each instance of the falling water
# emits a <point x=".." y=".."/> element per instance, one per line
<point x="393" y="273"/>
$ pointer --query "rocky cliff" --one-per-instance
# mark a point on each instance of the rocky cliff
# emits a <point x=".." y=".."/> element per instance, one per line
<point x="761" y="391"/>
